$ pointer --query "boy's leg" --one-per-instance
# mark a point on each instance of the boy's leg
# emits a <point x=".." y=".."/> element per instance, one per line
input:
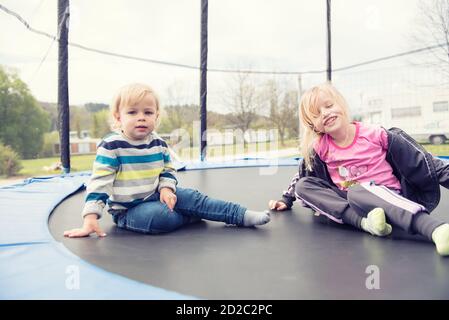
<point x="193" y="203"/>
<point x="327" y="200"/>
<point x="152" y="217"/>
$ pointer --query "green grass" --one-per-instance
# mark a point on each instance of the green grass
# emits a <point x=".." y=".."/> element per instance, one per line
<point x="36" y="167"/>
<point x="437" y="150"/>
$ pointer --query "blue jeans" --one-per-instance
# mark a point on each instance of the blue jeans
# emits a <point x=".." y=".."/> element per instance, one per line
<point x="153" y="216"/>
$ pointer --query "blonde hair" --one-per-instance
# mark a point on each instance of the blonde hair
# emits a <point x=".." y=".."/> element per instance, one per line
<point x="129" y="95"/>
<point x="308" y="109"/>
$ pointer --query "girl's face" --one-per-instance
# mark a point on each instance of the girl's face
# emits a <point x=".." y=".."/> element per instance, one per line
<point x="139" y="120"/>
<point x="331" y="117"/>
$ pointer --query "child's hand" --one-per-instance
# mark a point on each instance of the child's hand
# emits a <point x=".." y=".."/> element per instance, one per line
<point x="277" y="205"/>
<point x="90" y="225"/>
<point x="168" y="197"/>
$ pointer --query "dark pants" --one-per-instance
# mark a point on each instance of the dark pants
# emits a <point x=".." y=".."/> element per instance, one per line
<point x="350" y="206"/>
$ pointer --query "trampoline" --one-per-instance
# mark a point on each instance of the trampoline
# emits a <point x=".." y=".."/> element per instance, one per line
<point x="296" y="256"/>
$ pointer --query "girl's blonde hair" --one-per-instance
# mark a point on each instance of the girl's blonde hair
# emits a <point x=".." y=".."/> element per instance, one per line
<point x="308" y="110"/>
<point x="129" y="95"/>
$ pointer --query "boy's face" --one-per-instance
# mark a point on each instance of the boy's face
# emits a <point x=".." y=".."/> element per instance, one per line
<point x="139" y="120"/>
<point x="331" y="117"/>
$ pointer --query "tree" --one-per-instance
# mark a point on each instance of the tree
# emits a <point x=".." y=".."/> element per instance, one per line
<point x="95" y="107"/>
<point x="291" y="106"/>
<point x="22" y="120"/>
<point x="283" y="110"/>
<point x="52" y="111"/>
<point x="80" y="119"/>
<point x="178" y="116"/>
<point x="48" y="149"/>
<point x="432" y="28"/>
<point x="100" y="124"/>
<point x="9" y="161"/>
<point x="179" y="93"/>
<point x="243" y="100"/>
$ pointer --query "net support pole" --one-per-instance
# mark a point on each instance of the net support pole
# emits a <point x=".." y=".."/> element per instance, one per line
<point x="63" y="86"/>
<point x="203" y="80"/>
<point x="329" y="48"/>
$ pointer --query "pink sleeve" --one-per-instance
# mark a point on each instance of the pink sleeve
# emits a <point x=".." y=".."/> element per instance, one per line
<point x="384" y="139"/>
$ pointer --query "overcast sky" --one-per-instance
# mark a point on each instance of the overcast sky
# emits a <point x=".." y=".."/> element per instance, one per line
<point x="282" y="35"/>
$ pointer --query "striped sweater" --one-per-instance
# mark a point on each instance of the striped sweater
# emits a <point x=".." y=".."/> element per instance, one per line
<point x="126" y="172"/>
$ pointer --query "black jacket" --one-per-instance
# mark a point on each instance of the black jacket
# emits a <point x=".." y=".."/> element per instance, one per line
<point x="419" y="173"/>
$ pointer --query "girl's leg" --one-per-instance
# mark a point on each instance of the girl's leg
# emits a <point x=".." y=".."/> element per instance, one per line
<point x="151" y="217"/>
<point x="327" y="200"/>
<point x="193" y="203"/>
<point x="332" y="202"/>
<point x="406" y="214"/>
<point x="400" y="211"/>
<point x="440" y="236"/>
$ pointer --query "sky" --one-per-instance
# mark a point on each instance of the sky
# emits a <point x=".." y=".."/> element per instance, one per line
<point x="277" y="35"/>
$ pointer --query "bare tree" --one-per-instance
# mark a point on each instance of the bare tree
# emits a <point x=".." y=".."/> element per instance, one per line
<point x="283" y="109"/>
<point x="243" y="100"/>
<point x="432" y="28"/>
<point x="177" y="109"/>
<point x="179" y="93"/>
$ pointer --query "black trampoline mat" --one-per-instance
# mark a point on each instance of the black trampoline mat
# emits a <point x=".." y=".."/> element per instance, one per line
<point x="295" y="256"/>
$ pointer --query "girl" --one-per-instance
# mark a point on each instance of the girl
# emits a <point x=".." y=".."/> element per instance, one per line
<point x="364" y="175"/>
<point x="133" y="173"/>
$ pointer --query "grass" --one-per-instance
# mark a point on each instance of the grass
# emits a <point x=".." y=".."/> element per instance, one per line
<point x="437" y="150"/>
<point x="37" y="167"/>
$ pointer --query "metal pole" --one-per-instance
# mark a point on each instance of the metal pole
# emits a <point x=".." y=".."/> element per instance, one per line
<point x="329" y="48"/>
<point x="63" y="86"/>
<point x="203" y="81"/>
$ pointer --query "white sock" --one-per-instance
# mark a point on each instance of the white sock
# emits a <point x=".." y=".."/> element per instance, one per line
<point x="441" y="238"/>
<point x="375" y="223"/>
<point x="252" y="218"/>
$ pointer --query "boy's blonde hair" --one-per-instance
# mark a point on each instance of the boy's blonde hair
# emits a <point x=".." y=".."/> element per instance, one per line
<point x="308" y="110"/>
<point x="130" y="95"/>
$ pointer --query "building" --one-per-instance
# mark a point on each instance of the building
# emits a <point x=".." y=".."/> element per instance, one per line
<point x="425" y="116"/>
<point x="83" y="145"/>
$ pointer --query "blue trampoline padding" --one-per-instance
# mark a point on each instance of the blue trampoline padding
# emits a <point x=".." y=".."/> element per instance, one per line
<point x="34" y="266"/>
<point x="25" y="208"/>
<point x="50" y="271"/>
